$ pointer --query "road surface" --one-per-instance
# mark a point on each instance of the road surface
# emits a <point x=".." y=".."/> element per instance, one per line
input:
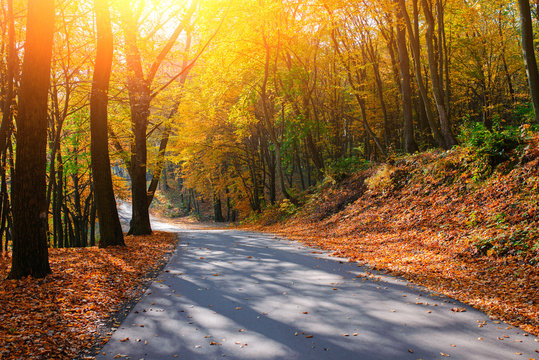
<point x="229" y="294"/>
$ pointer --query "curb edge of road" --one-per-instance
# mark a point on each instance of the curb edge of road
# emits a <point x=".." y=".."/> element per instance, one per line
<point x="106" y="330"/>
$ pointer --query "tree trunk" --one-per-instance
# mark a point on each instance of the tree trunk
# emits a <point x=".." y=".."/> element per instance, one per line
<point x="217" y="208"/>
<point x="433" y="124"/>
<point x="529" y="54"/>
<point x="30" y="252"/>
<point x="6" y="128"/>
<point x="110" y="229"/>
<point x="410" y="145"/>
<point x="139" y="103"/>
<point x="437" y="86"/>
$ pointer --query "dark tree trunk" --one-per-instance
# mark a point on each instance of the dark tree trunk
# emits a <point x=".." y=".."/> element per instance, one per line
<point x="410" y="145"/>
<point x="4" y="202"/>
<point x="433" y="124"/>
<point x="437" y="85"/>
<point x="110" y="229"/>
<point x="30" y="252"/>
<point x="93" y="216"/>
<point x="217" y="208"/>
<point x="529" y="54"/>
<point x="140" y="97"/>
<point x="139" y="102"/>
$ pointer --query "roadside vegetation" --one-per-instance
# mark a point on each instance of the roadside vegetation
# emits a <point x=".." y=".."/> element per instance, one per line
<point x="463" y="222"/>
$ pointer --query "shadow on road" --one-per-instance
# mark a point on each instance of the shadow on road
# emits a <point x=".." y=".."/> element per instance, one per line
<point x="240" y="295"/>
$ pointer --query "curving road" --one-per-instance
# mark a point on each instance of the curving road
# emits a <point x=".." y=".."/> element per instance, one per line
<point x="239" y="295"/>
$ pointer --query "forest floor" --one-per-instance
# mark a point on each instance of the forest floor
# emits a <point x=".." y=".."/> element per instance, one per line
<point x="70" y="310"/>
<point x="428" y="219"/>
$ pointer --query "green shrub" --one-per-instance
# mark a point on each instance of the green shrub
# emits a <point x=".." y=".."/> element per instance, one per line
<point x="516" y="242"/>
<point x="342" y="168"/>
<point x="492" y="147"/>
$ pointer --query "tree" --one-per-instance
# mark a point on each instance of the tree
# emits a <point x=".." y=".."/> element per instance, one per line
<point x="436" y="79"/>
<point x="110" y="229"/>
<point x="30" y="253"/>
<point x="529" y="54"/>
<point x="140" y="98"/>
<point x="414" y="44"/>
<point x="410" y="145"/>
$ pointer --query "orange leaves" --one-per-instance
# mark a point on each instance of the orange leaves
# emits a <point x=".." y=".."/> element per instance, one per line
<point x="61" y="315"/>
<point x="426" y="229"/>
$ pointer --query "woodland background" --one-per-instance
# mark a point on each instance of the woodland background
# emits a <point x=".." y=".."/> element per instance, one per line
<point x="400" y="134"/>
<point x="249" y="105"/>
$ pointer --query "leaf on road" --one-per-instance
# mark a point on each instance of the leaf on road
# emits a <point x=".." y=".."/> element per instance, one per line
<point x="60" y="314"/>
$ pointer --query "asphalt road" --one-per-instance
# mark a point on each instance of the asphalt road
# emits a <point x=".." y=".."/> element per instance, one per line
<point x="238" y="295"/>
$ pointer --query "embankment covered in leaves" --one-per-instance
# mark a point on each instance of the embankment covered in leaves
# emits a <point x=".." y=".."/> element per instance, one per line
<point x="446" y="220"/>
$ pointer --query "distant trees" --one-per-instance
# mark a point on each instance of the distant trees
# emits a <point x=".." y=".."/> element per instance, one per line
<point x="314" y="89"/>
<point x="290" y="95"/>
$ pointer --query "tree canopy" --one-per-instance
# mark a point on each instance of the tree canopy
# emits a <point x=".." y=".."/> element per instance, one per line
<point x="243" y="104"/>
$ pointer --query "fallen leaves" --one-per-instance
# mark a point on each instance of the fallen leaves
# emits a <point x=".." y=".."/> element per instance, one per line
<point x="61" y="315"/>
<point x="427" y="231"/>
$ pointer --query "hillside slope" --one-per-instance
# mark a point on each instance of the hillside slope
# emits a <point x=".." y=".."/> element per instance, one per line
<point x="438" y="220"/>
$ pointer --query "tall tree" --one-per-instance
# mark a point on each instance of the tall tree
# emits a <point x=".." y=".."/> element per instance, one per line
<point x="30" y="253"/>
<point x="409" y="143"/>
<point x="140" y="97"/>
<point x="436" y="80"/>
<point x="528" y="50"/>
<point x="110" y="229"/>
<point x="414" y="41"/>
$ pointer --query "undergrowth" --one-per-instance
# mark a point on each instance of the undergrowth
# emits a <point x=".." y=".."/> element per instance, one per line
<point x="495" y="169"/>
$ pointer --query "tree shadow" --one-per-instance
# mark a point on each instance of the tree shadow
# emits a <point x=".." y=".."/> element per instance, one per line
<point x="241" y="295"/>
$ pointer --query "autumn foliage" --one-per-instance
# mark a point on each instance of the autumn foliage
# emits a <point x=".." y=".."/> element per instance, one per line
<point x="63" y="314"/>
<point x="434" y="219"/>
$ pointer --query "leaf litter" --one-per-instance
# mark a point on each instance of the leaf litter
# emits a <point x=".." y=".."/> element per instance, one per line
<point x="65" y="314"/>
